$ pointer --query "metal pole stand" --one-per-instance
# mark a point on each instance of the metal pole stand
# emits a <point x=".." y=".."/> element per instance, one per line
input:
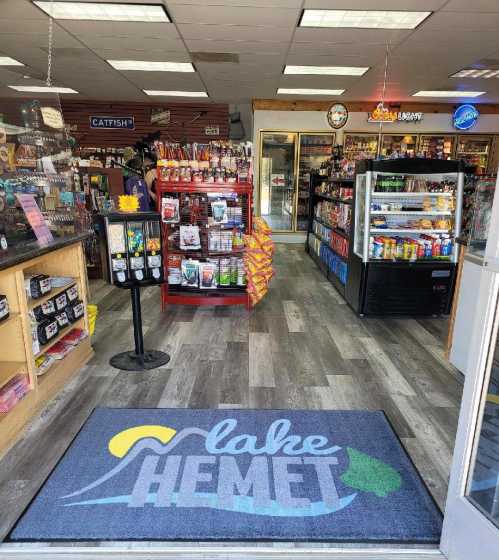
<point x="139" y="360"/>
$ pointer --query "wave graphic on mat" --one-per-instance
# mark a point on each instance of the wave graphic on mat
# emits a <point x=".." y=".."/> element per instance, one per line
<point x="241" y="504"/>
<point x="149" y="444"/>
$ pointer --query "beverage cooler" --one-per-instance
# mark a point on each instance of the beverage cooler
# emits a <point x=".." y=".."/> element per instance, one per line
<point x="359" y="146"/>
<point x="398" y="144"/>
<point x="133" y="247"/>
<point x="436" y="146"/>
<point x="286" y="162"/>
<point x="407" y="214"/>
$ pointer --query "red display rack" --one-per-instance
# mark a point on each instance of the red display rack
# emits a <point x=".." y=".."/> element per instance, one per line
<point x="183" y="191"/>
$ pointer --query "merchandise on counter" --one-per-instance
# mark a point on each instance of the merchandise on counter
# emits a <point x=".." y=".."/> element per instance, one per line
<point x="47" y="330"/>
<point x="12" y="392"/>
<point x="4" y="308"/>
<point x="170" y="210"/>
<point x="190" y="273"/>
<point x="44" y="311"/>
<point x="75" y="311"/>
<point x="189" y="238"/>
<point x="37" y="286"/>
<point x="207" y="275"/>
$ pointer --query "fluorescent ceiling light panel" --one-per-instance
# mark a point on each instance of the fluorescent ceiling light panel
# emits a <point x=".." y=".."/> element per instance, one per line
<point x="105" y="11"/>
<point x="327" y="70"/>
<point x="7" y="61"/>
<point x="43" y="89"/>
<point x="439" y="93"/>
<point x="152" y="66"/>
<point x="308" y="91"/>
<point x="476" y="73"/>
<point x="362" y="19"/>
<point x="175" y="93"/>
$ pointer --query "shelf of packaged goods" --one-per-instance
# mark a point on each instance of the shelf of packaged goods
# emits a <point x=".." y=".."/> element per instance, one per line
<point x="8" y="370"/>
<point x="335" y="281"/>
<point x="12" y="318"/>
<point x="344" y="180"/>
<point x="407" y="261"/>
<point x="472" y="153"/>
<point x="201" y="254"/>
<point x="334" y="198"/>
<point x="325" y="241"/>
<point x="72" y="357"/>
<point x="335" y="229"/>
<point x="173" y="186"/>
<point x="394" y="230"/>
<point x="32" y="303"/>
<point x="77" y="324"/>
<point x="409" y="194"/>
<point x="411" y="212"/>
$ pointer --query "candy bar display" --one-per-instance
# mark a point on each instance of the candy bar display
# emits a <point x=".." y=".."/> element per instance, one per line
<point x="217" y="162"/>
<point x="4" y="308"/>
<point x="407" y="219"/>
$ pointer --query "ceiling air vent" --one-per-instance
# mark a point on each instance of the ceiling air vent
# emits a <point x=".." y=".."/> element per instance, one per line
<point x="214" y="57"/>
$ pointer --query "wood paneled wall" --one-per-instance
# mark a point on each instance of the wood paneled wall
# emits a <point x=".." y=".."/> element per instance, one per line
<point x="77" y="114"/>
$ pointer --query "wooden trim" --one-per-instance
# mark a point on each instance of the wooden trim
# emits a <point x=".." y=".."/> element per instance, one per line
<point x="364" y="106"/>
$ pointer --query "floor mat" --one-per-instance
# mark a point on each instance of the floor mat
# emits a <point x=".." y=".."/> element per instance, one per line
<point x="179" y="474"/>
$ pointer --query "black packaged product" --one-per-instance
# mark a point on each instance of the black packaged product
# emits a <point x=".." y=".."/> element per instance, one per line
<point x="37" y="286"/>
<point x="61" y="301"/>
<point x="47" y="331"/>
<point x="4" y="308"/>
<point x="74" y="311"/>
<point x="44" y="311"/>
<point x="62" y="320"/>
<point x="72" y="294"/>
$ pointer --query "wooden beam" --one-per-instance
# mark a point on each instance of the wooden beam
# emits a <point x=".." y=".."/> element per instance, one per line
<point x="364" y="106"/>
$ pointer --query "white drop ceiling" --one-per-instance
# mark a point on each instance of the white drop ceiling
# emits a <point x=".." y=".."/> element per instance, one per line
<point x="265" y="36"/>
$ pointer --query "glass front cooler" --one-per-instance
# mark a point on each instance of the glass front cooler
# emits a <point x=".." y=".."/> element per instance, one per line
<point x="277" y="179"/>
<point x="407" y="216"/>
<point x="438" y="146"/>
<point x="474" y="151"/>
<point x="315" y="150"/>
<point x="357" y="147"/>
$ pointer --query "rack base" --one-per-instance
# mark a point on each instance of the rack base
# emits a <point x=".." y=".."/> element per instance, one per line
<point x="130" y="361"/>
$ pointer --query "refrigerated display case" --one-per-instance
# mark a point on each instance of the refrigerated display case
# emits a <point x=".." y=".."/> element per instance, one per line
<point x="286" y="160"/>
<point x="359" y="146"/>
<point x="407" y="214"/>
<point x="475" y="152"/>
<point x="436" y="146"/>
<point x="398" y="144"/>
<point x="315" y="150"/>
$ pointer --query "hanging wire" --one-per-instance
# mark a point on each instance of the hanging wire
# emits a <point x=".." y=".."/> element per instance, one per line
<point x="382" y="103"/>
<point x="48" y="81"/>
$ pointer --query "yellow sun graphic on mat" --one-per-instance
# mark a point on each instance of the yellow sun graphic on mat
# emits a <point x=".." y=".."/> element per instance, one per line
<point x="121" y="443"/>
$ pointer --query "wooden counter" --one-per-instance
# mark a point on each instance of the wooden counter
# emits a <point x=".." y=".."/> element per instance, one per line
<point x="62" y="258"/>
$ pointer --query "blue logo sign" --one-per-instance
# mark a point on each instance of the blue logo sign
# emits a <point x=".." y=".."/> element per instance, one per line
<point x="465" y="117"/>
<point x="114" y="123"/>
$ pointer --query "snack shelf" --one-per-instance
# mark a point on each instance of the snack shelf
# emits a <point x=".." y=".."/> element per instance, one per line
<point x="397" y="230"/>
<point x="59" y="364"/>
<point x="77" y="324"/>
<point x="221" y="295"/>
<point x="11" y="319"/>
<point x="332" y="228"/>
<point x="8" y="370"/>
<point x="334" y="198"/>
<point x="410" y="213"/>
<point x="332" y="248"/>
<point x="32" y="303"/>
<point x="376" y="194"/>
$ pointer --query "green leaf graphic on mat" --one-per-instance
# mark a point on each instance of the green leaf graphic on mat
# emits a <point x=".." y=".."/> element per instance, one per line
<point x="370" y="475"/>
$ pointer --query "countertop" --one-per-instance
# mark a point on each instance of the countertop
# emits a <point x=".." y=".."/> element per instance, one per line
<point x="21" y="253"/>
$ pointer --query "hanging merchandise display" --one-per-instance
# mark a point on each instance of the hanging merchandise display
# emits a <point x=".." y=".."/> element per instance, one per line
<point x="258" y="260"/>
<point x="204" y="222"/>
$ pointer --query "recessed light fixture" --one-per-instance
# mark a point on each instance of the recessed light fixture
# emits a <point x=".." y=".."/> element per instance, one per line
<point x="175" y="93"/>
<point x="7" y="61"/>
<point x="43" y="89"/>
<point x="327" y="70"/>
<point x="152" y="66"/>
<point x="440" y="93"/>
<point x="476" y="73"/>
<point x="363" y="19"/>
<point x="309" y="91"/>
<point x="105" y="11"/>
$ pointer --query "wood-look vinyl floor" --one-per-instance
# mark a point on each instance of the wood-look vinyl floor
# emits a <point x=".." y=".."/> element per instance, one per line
<point x="301" y="347"/>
